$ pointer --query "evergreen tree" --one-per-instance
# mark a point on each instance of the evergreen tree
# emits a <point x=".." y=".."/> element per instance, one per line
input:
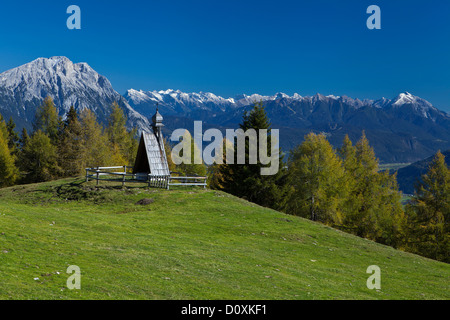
<point x="429" y="213"/>
<point x="123" y="143"/>
<point x="133" y="145"/>
<point x="96" y="151"/>
<point x="168" y="151"/>
<point x="8" y="170"/>
<point x="47" y="120"/>
<point x="372" y="208"/>
<point x="246" y="180"/>
<point x="40" y="159"/>
<point x="191" y="168"/>
<point x="350" y="205"/>
<point x="214" y="171"/>
<point x="13" y="137"/>
<point x="24" y="138"/>
<point x="315" y="177"/>
<point x="71" y="146"/>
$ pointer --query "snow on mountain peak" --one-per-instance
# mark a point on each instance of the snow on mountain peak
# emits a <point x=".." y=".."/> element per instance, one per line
<point x="408" y="98"/>
<point x="68" y="83"/>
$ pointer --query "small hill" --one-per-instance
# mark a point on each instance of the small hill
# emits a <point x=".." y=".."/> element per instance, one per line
<point x="408" y="176"/>
<point x="188" y="244"/>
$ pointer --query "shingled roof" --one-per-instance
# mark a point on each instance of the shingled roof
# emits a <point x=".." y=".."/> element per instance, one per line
<point x="151" y="156"/>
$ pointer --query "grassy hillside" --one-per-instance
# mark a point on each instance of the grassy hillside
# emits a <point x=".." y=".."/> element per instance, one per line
<point x="188" y="244"/>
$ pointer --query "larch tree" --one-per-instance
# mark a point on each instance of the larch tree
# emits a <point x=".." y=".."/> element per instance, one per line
<point x="186" y="155"/>
<point x="168" y="151"/>
<point x="70" y="146"/>
<point x="429" y="213"/>
<point x="13" y="137"/>
<point x="8" y="169"/>
<point x="123" y="143"/>
<point x="372" y="208"/>
<point x="24" y="138"/>
<point x="315" y="177"/>
<point x="96" y="151"/>
<point x="214" y="171"/>
<point x="40" y="159"/>
<point x="47" y="120"/>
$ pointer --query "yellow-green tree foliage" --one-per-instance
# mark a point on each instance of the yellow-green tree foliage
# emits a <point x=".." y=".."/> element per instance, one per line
<point x="315" y="178"/>
<point x="123" y="143"/>
<point x="168" y="151"/>
<point x="47" y="120"/>
<point x="40" y="159"/>
<point x="372" y="208"/>
<point x="8" y="170"/>
<point x="189" y="167"/>
<point x="429" y="213"/>
<point x="96" y="150"/>
<point x="71" y="148"/>
<point x="214" y="171"/>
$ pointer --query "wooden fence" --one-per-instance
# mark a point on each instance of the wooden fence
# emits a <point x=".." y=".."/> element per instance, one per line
<point x="123" y="176"/>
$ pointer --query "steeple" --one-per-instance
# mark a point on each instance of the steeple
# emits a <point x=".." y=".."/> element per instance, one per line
<point x="157" y="122"/>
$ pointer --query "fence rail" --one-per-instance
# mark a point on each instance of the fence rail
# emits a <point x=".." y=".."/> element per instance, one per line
<point x="154" y="181"/>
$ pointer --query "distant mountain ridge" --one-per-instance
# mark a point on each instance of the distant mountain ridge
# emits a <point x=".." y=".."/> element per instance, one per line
<point x="403" y="129"/>
<point x="408" y="176"/>
<point x="176" y="101"/>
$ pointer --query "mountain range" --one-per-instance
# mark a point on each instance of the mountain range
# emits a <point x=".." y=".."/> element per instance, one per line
<point x="408" y="176"/>
<point x="405" y="128"/>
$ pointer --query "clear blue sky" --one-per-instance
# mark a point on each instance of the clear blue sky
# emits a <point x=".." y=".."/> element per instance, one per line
<point x="243" y="46"/>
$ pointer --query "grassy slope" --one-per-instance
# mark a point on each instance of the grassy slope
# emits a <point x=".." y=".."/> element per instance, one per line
<point x="188" y="244"/>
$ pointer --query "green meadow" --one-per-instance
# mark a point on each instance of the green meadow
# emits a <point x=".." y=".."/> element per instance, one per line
<point x="188" y="243"/>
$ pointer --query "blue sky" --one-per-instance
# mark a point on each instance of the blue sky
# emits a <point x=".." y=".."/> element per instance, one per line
<point x="232" y="47"/>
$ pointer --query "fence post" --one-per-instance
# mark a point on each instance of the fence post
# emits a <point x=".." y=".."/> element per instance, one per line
<point x="87" y="177"/>
<point x="97" y="175"/>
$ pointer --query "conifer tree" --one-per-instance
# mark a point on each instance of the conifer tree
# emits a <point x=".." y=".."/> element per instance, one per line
<point x="8" y="170"/>
<point x="188" y="167"/>
<point x="96" y="149"/>
<point x="315" y="177"/>
<point x="47" y="120"/>
<point x="350" y="204"/>
<point x="168" y="151"/>
<point x="121" y="140"/>
<point x="24" y="138"/>
<point x="429" y="213"/>
<point x="214" y="171"/>
<point x="13" y="137"/>
<point x="246" y="180"/>
<point x="40" y="159"/>
<point x="372" y="208"/>
<point x="71" y="146"/>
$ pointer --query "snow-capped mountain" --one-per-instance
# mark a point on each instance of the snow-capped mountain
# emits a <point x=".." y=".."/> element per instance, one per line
<point x="24" y="88"/>
<point x="176" y="102"/>
<point x="420" y="106"/>
<point x="403" y="129"/>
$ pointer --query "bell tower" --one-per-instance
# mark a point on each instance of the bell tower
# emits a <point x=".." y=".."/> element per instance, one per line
<point x="157" y="122"/>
